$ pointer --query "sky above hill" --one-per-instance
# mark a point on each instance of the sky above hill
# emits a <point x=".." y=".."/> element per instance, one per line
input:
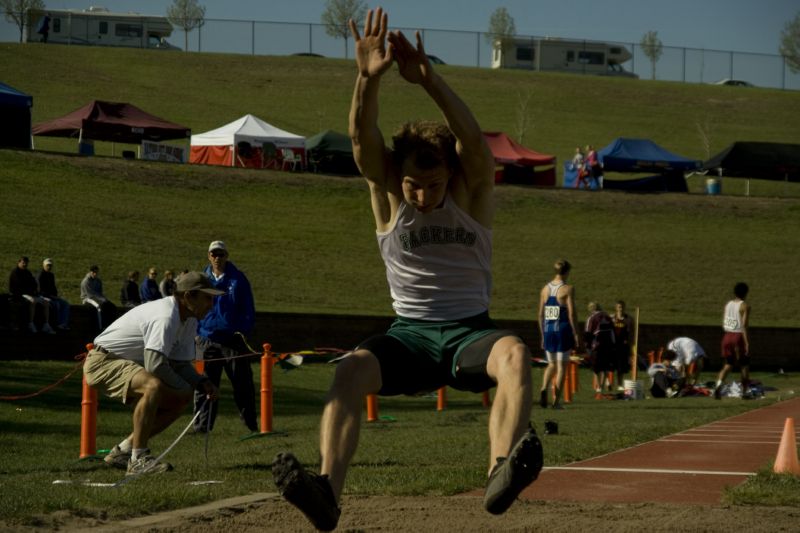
<point x="735" y="25"/>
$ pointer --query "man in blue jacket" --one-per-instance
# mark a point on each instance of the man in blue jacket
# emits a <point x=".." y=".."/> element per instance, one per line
<point x="221" y="338"/>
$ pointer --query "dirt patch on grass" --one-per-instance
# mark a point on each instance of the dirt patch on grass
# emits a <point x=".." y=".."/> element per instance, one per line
<point x="455" y="513"/>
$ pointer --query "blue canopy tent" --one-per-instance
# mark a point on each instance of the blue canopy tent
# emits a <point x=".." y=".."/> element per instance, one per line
<point x="15" y="108"/>
<point x="640" y="156"/>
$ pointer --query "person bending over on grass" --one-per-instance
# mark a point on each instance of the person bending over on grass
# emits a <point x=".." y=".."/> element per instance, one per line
<point x="687" y="357"/>
<point x="145" y="358"/>
<point x="431" y="195"/>
<point x="736" y="341"/>
<point x="557" y="326"/>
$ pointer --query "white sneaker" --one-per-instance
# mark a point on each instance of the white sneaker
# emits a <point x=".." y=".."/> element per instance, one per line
<point x="117" y="458"/>
<point x="47" y="329"/>
<point x="32" y="327"/>
<point x="146" y="464"/>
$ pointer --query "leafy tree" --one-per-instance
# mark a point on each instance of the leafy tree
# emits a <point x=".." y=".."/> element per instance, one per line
<point x="790" y="43"/>
<point x="186" y="14"/>
<point x="16" y="11"/>
<point x="336" y="15"/>
<point x="501" y="29"/>
<point x="652" y="48"/>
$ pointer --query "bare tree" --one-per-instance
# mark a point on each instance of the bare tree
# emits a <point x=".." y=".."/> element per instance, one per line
<point x="704" y="130"/>
<point x="790" y="43"/>
<point x="336" y="15"/>
<point x="523" y="115"/>
<point x="16" y="11"/>
<point x="501" y="30"/>
<point x="652" y="48"/>
<point x="188" y="15"/>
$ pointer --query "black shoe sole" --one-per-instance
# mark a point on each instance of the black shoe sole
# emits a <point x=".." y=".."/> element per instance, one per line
<point x="526" y="460"/>
<point x="298" y="486"/>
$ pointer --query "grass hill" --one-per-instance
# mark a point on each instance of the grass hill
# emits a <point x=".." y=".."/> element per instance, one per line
<point x="306" y="95"/>
<point x="307" y="241"/>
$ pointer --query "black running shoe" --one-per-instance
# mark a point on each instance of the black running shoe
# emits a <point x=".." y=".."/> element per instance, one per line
<point x="513" y="473"/>
<point x="309" y="492"/>
<point x="543" y="399"/>
<point x="718" y="392"/>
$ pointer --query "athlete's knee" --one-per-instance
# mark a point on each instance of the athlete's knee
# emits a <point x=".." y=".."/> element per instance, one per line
<point x="513" y="361"/>
<point x="359" y="372"/>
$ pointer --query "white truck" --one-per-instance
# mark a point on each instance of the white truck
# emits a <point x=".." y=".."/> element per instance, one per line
<point x="562" y="55"/>
<point x="98" y="26"/>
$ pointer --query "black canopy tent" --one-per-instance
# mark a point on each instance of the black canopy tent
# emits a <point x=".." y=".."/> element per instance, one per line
<point x="758" y="160"/>
<point x="15" y="108"/>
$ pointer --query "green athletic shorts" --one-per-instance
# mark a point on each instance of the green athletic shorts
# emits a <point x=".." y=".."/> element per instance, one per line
<point x="419" y="356"/>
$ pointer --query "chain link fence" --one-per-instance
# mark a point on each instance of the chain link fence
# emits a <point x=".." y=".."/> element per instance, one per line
<point x="473" y="49"/>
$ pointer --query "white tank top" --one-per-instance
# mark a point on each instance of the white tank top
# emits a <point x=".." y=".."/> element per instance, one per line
<point x="438" y="264"/>
<point x="732" y="320"/>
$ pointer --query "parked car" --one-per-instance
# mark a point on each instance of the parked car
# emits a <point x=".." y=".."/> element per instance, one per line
<point x="735" y="83"/>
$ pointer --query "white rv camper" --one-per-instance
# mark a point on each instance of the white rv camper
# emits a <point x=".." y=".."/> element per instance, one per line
<point x="580" y="57"/>
<point x="98" y="26"/>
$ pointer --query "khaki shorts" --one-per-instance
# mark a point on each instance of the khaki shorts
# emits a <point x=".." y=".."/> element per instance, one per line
<point x="110" y="374"/>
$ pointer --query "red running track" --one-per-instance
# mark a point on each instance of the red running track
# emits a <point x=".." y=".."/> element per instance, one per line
<point x="693" y="466"/>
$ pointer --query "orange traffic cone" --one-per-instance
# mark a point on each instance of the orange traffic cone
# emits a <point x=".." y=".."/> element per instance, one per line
<point x="786" y="460"/>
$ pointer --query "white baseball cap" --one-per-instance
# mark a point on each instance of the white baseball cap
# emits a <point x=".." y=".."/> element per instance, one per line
<point x="217" y="245"/>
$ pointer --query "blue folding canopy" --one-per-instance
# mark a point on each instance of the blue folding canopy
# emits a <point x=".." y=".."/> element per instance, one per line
<point x="642" y="155"/>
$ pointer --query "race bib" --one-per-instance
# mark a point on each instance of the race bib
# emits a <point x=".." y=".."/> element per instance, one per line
<point x="731" y="323"/>
<point x="552" y="312"/>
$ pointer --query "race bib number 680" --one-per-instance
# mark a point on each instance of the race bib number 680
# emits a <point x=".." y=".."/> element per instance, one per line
<point x="551" y="312"/>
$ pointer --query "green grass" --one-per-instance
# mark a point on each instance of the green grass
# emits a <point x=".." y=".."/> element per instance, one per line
<point x="411" y="455"/>
<point x="308" y="95"/>
<point x="307" y="242"/>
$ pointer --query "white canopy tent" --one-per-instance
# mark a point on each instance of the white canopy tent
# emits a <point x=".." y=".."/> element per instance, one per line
<point x="248" y="142"/>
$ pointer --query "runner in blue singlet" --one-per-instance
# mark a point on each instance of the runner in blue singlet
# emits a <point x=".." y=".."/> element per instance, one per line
<point x="557" y="327"/>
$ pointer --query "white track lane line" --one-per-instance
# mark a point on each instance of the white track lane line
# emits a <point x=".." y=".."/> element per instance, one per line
<point x="649" y="471"/>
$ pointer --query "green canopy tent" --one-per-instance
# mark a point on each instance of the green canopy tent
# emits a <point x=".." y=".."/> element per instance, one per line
<point x="330" y="152"/>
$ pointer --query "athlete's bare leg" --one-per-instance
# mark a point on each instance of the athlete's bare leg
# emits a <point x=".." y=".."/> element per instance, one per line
<point x="357" y="375"/>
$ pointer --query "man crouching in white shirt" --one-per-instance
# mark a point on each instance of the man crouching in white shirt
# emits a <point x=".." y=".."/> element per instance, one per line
<point x="145" y="358"/>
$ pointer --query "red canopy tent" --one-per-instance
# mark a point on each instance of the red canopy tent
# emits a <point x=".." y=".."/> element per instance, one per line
<point x="519" y="162"/>
<point x="113" y="122"/>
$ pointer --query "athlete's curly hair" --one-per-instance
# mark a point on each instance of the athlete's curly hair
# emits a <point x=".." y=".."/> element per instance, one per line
<point x="428" y="144"/>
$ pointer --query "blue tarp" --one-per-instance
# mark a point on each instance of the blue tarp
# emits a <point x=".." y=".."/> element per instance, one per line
<point x="571" y="179"/>
<point x="642" y="155"/>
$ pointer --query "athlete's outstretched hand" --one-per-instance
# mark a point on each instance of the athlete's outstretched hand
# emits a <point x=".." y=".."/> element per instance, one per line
<point x="412" y="61"/>
<point x="373" y="56"/>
